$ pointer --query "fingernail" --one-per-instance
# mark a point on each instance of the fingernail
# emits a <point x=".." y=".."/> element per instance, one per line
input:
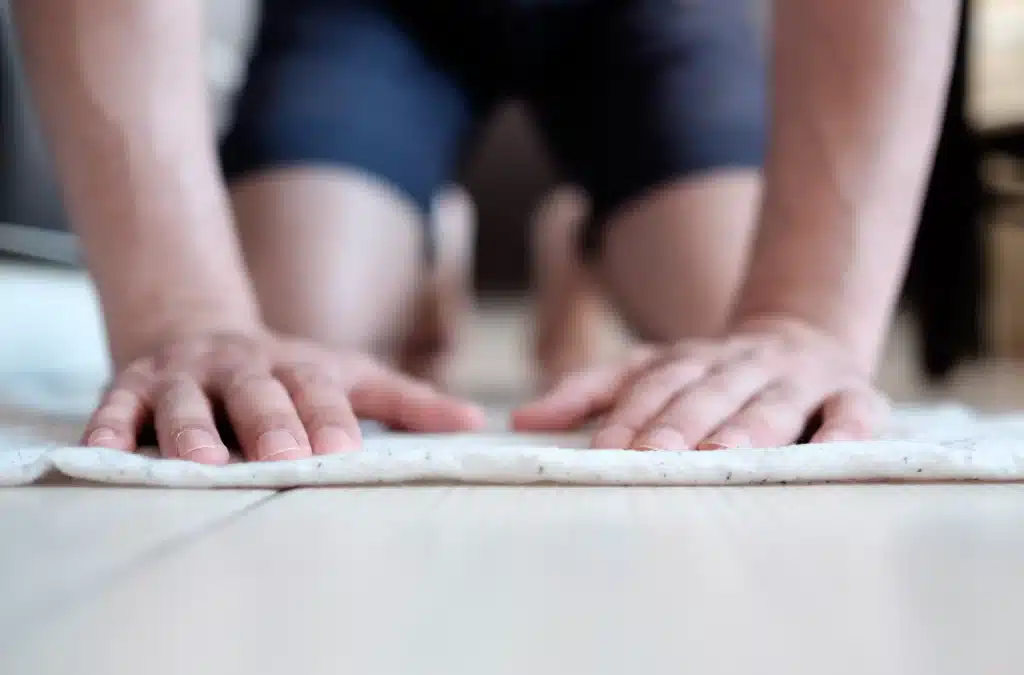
<point x="834" y="437"/>
<point x="194" y="444"/>
<point x="276" y="442"/>
<point x="329" y="440"/>
<point x="726" y="441"/>
<point x="661" y="439"/>
<point x="102" y="438"/>
<point x="613" y="438"/>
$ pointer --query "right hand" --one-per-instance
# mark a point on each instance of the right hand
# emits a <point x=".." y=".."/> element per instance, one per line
<point x="284" y="398"/>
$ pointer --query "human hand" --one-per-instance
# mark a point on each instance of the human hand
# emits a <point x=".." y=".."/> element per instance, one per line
<point x="284" y="399"/>
<point x="761" y="387"/>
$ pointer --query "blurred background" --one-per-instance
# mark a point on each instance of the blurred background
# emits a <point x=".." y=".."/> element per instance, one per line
<point x="960" y="334"/>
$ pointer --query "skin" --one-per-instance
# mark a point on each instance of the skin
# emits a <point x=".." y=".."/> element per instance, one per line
<point x="121" y="95"/>
<point x="858" y="88"/>
<point x="569" y="303"/>
<point x="323" y="274"/>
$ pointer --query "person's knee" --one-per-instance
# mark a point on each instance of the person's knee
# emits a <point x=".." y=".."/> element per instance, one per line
<point x="674" y="257"/>
<point x="335" y="255"/>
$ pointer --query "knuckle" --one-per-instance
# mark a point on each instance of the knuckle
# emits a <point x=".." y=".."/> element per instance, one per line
<point x="237" y="344"/>
<point x="324" y="416"/>
<point x="274" y="421"/>
<point x="770" y="421"/>
<point x="121" y="402"/>
<point x="686" y="351"/>
<point x="786" y="392"/>
<point x="719" y="384"/>
<point x="188" y="354"/>
<point x="242" y="382"/>
<point x="685" y="371"/>
<point x="685" y="418"/>
<point x="660" y="380"/>
<point x="772" y="348"/>
<point x="640" y="356"/>
<point x="136" y="379"/>
<point x="304" y="376"/>
<point x="365" y="395"/>
<point x="316" y="396"/>
<point x="174" y="386"/>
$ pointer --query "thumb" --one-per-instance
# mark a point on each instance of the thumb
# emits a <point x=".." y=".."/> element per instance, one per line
<point x="579" y="398"/>
<point x="404" y="403"/>
<point x="572" y="402"/>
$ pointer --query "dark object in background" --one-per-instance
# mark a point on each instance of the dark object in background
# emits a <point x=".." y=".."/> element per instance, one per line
<point x="946" y="283"/>
<point x="32" y="219"/>
<point x="508" y="174"/>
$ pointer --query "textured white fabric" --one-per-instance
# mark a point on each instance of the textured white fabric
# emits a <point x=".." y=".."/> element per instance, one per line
<point x="936" y="444"/>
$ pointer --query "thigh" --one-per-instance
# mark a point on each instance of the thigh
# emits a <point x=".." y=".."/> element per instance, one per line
<point x="655" y="91"/>
<point x="343" y="83"/>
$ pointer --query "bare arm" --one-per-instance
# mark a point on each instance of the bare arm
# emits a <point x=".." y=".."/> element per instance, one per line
<point x="119" y="88"/>
<point x="858" y="93"/>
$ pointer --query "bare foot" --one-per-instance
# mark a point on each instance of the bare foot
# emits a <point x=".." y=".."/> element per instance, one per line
<point x="569" y="316"/>
<point x="445" y="294"/>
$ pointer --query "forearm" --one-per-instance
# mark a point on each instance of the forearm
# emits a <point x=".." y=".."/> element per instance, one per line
<point x="120" y="91"/>
<point x="858" y="94"/>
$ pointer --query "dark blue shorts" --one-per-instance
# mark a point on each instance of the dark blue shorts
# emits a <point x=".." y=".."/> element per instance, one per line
<point x="629" y="94"/>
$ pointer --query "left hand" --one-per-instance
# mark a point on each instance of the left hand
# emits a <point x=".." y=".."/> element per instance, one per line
<point x="760" y="387"/>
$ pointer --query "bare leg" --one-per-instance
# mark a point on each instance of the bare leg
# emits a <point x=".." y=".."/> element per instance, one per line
<point x="568" y="303"/>
<point x="673" y="260"/>
<point x="337" y="257"/>
<point x="445" y="296"/>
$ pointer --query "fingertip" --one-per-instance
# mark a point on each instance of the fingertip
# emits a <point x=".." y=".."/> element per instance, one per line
<point x="202" y="446"/>
<point x="532" y="420"/>
<point x="521" y="419"/>
<point x="546" y="414"/>
<point x="838" y="435"/>
<point x="662" y="438"/>
<point x="474" y="417"/>
<point x="726" y="440"/>
<point x="211" y="455"/>
<point x="335" y="440"/>
<point x="286" y="455"/>
<point x="278" y="445"/>
<point x="107" y="439"/>
<point x="613" y="438"/>
<point x="456" y="416"/>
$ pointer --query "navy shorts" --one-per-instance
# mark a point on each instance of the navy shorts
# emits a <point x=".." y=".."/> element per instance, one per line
<point x="629" y="94"/>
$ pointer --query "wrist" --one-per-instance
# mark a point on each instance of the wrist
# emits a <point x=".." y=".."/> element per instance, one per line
<point x="857" y="334"/>
<point x="134" y="334"/>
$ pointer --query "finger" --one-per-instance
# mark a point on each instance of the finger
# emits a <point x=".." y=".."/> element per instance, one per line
<point x="185" y="426"/>
<point x="777" y="416"/>
<point x="579" y="397"/>
<point x="323" y="408"/>
<point x="644" y="399"/>
<point x="852" y="415"/>
<point x="698" y="410"/>
<point x="263" y="416"/>
<point x="122" y="410"/>
<point x="401" y="402"/>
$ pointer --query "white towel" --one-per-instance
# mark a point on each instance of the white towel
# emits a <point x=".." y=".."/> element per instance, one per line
<point x="934" y="444"/>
